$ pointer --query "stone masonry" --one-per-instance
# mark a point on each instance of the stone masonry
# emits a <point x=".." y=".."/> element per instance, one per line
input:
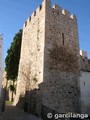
<point x="49" y="61"/>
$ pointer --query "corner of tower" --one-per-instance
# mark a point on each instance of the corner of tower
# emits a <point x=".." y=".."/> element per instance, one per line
<point x="47" y="3"/>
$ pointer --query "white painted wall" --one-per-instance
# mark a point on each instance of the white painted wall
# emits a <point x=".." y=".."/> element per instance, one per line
<point x="1" y="69"/>
<point x="1" y="63"/>
<point x="84" y="83"/>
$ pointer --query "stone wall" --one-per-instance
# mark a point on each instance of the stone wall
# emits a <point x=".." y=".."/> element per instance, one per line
<point x="85" y="65"/>
<point x="84" y="84"/>
<point x="61" y="61"/>
<point x="49" y="59"/>
<point x="32" y="53"/>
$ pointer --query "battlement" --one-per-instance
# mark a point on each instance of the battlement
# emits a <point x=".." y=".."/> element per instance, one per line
<point x="33" y="15"/>
<point x="53" y="8"/>
<point x="57" y="7"/>
<point x="25" y="24"/>
<point x="73" y="16"/>
<point x="83" y="54"/>
<point x="47" y="2"/>
<point x="85" y="64"/>
<point x="66" y="12"/>
<point x="63" y="11"/>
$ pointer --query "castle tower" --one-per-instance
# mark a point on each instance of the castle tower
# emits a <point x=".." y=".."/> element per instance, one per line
<point x="50" y="59"/>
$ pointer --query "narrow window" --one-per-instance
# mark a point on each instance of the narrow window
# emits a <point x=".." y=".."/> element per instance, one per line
<point x="63" y="38"/>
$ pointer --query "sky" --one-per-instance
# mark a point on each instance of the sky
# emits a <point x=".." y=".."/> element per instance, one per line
<point x="13" y="14"/>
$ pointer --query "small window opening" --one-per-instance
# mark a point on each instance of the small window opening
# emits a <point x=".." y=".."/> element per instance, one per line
<point x="63" y="38"/>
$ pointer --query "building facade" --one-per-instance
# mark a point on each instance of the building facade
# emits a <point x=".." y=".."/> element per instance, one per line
<point x="49" y="68"/>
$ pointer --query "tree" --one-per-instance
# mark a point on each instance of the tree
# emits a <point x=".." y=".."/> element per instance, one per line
<point x="12" y="59"/>
<point x="89" y="61"/>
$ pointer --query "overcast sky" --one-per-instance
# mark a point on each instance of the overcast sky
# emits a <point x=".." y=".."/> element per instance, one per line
<point x="13" y="14"/>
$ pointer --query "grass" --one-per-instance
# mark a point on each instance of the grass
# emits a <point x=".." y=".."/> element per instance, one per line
<point x="8" y="102"/>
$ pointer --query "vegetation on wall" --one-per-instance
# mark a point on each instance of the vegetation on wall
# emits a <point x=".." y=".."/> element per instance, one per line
<point x="61" y="56"/>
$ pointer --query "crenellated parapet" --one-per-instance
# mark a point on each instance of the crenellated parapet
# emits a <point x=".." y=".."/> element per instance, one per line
<point x="57" y="7"/>
<point x="73" y="17"/>
<point x="84" y="61"/>
<point x="25" y="24"/>
<point x="47" y="3"/>
<point x="66" y="12"/>
<point x="54" y="9"/>
<point x="85" y="65"/>
<point x="33" y="15"/>
<point x="63" y="11"/>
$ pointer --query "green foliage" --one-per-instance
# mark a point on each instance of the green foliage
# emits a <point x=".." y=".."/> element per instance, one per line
<point x="12" y="88"/>
<point x="89" y="61"/>
<point x="13" y="56"/>
<point x="8" y="102"/>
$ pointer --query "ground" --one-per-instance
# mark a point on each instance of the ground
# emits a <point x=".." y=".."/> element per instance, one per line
<point x="14" y="113"/>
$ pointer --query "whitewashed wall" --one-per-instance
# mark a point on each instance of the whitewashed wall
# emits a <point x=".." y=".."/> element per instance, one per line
<point x="84" y="84"/>
<point x="1" y="63"/>
<point x="1" y="69"/>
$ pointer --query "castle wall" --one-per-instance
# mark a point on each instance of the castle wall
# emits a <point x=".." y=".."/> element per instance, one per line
<point x="50" y="59"/>
<point x="32" y="53"/>
<point x="84" y="84"/>
<point x="61" y="65"/>
<point x="84" y="63"/>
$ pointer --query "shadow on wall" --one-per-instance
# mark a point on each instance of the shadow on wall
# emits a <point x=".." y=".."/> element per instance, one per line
<point x="3" y="99"/>
<point x="31" y="102"/>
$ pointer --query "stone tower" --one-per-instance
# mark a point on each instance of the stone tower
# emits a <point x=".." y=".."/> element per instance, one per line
<point x="50" y="59"/>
